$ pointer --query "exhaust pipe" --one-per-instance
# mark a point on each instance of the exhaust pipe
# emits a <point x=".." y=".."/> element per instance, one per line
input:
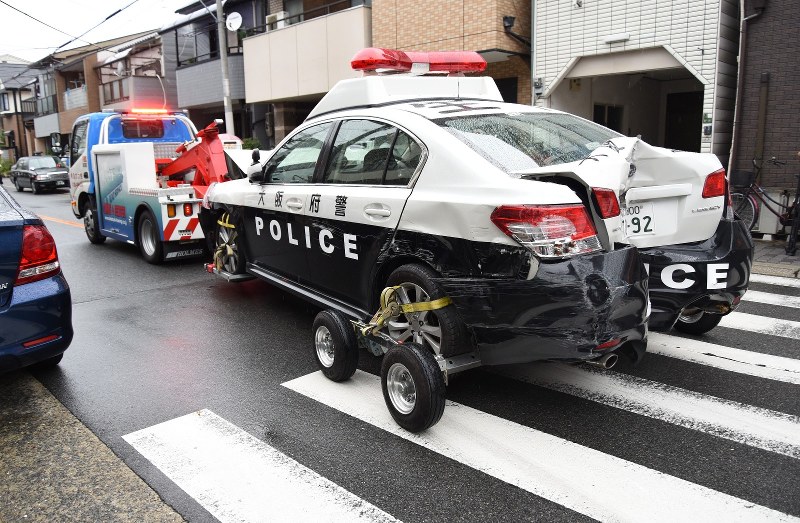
<point x="605" y="362"/>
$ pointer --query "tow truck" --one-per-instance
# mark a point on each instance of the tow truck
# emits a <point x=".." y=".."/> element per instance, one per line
<point x="140" y="177"/>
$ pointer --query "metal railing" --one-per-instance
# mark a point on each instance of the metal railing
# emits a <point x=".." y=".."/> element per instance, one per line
<point x="28" y="106"/>
<point x="323" y="10"/>
<point x="46" y="105"/>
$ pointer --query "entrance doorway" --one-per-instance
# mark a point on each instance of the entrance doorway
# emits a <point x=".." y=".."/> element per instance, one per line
<point x="684" y="117"/>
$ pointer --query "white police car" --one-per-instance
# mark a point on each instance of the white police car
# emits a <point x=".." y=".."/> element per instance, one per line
<point x="526" y="218"/>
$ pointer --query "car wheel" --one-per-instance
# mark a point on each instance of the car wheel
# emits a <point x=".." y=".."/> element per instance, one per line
<point x="35" y="188"/>
<point x="150" y="244"/>
<point x="441" y="330"/>
<point x="46" y="364"/>
<point x="17" y="185"/>
<point x="413" y="387"/>
<point x="335" y="345"/>
<point x="228" y="246"/>
<point x="90" y="224"/>
<point x="697" y="323"/>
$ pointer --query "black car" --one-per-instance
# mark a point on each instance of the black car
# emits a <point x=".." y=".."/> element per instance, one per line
<point x="39" y="173"/>
<point x="35" y="300"/>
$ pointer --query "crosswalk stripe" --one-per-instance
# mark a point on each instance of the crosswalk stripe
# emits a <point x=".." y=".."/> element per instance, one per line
<point x="577" y="477"/>
<point x="762" y="325"/>
<point x="769" y="298"/>
<point x="726" y="358"/>
<point x="757" y="427"/>
<point x="237" y="477"/>
<point x="775" y="280"/>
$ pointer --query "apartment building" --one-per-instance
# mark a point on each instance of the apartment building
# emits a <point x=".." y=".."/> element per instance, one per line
<point x="301" y="50"/>
<point x="663" y="70"/>
<point x="15" y="106"/>
<point x="499" y="30"/>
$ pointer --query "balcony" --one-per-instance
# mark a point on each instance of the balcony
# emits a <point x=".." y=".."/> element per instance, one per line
<point x="46" y="105"/>
<point x="133" y="91"/>
<point x="201" y="83"/>
<point x="308" y="57"/>
<point x="75" y="98"/>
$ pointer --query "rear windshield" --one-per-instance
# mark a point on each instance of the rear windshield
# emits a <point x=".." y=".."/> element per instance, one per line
<point x="520" y="141"/>
<point x="42" y="162"/>
<point x="165" y="129"/>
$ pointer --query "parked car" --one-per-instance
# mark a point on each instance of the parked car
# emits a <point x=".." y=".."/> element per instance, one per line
<point x="39" y="173"/>
<point x="35" y="301"/>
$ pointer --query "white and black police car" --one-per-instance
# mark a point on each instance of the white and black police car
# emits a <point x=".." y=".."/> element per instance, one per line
<point x="539" y="226"/>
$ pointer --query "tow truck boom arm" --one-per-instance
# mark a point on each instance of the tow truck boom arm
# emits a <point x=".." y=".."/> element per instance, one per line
<point x="206" y="155"/>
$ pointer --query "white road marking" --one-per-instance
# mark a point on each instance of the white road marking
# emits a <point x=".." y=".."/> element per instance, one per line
<point x="772" y="299"/>
<point x="577" y="477"/>
<point x="762" y="325"/>
<point x="237" y="477"/>
<point x="725" y="358"/>
<point x="757" y="427"/>
<point x="775" y="280"/>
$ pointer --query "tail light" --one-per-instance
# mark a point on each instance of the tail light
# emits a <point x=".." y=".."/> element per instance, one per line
<point x="550" y="231"/>
<point x="187" y="209"/>
<point x="715" y="184"/>
<point x="607" y="202"/>
<point x="39" y="257"/>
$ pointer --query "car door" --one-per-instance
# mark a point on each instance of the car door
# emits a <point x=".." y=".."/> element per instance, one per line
<point x="356" y="205"/>
<point x="21" y="174"/>
<point x="274" y="210"/>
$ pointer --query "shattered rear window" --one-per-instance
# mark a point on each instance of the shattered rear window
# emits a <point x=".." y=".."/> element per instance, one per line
<point x="519" y="141"/>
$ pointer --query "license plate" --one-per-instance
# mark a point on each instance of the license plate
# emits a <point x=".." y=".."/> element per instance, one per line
<point x="638" y="219"/>
<point x="61" y="183"/>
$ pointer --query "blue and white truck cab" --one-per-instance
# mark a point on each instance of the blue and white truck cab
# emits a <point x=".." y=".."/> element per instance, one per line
<point x="132" y="179"/>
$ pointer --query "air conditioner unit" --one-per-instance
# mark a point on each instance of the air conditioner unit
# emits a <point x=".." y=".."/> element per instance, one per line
<point x="277" y="20"/>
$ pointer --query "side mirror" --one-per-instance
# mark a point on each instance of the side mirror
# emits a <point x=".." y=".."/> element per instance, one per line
<point x="56" y="149"/>
<point x="55" y="140"/>
<point x="256" y="156"/>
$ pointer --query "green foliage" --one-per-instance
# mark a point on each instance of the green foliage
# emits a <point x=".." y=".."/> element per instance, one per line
<point x="5" y="166"/>
<point x="251" y="143"/>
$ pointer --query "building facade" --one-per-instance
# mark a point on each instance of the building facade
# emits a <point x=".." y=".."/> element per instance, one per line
<point x="15" y="106"/>
<point x="662" y="70"/>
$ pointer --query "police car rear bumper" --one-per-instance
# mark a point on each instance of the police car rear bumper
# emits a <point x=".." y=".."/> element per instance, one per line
<point x="564" y="313"/>
<point x="711" y="275"/>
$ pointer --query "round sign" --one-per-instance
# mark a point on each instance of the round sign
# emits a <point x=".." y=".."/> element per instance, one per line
<point x="233" y="21"/>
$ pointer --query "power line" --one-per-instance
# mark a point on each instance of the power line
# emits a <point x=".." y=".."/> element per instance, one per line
<point x="43" y="23"/>
<point x="104" y="20"/>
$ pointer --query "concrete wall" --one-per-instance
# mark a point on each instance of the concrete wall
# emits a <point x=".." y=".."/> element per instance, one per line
<point x="201" y="84"/>
<point x="44" y="125"/>
<point x="305" y="59"/>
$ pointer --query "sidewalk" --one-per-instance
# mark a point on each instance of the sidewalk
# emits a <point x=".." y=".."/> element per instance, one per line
<point x="771" y="259"/>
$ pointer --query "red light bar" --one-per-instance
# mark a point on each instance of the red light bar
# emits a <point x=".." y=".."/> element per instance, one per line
<point x="373" y="58"/>
<point x="149" y="111"/>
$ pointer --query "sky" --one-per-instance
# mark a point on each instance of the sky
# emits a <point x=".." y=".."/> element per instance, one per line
<point x="27" y="39"/>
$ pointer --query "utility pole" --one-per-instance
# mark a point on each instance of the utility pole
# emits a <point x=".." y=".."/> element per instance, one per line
<point x="223" y="57"/>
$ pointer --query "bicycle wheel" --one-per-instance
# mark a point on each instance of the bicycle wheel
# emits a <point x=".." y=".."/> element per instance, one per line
<point x="746" y="208"/>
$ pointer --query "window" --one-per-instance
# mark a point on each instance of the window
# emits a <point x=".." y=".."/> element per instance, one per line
<point x="372" y="153"/>
<point x="609" y="116"/>
<point x="296" y="160"/>
<point x="42" y="162"/>
<point x="4" y="106"/>
<point x="522" y="141"/>
<point x="78" y="146"/>
<point x="142" y="128"/>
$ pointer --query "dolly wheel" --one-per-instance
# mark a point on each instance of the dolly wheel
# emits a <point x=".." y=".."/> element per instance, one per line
<point x="413" y="387"/>
<point x="336" y="348"/>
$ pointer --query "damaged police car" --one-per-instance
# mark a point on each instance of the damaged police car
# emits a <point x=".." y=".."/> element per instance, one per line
<point x="526" y="219"/>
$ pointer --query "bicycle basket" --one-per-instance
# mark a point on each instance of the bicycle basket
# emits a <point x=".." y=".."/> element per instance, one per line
<point x="742" y="178"/>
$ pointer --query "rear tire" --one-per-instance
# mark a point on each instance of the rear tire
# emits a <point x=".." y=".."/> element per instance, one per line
<point x="698" y="323"/>
<point x="35" y="188"/>
<point x="17" y="185"/>
<point x="149" y="239"/>
<point x="90" y="224"/>
<point x="413" y="387"/>
<point x="441" y="331"/>
<point x="336" y="348"/>
<point x="746" y="208"/>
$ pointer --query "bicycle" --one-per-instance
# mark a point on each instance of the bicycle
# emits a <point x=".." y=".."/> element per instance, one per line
<point x="748" y="199"/>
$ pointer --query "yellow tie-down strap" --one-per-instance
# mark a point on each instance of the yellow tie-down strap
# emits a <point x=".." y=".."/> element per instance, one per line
<point x="226" y="222"/>
<point x="390" y="307"/>
<point x="224" y="250"/>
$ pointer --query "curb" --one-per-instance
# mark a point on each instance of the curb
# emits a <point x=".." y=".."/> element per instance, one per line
<point x="776" y="269"/>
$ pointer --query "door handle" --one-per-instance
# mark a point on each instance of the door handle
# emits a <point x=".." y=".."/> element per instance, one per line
<point x="378" y="211"/>
<point x="86" y="175"/>
<point x="294" y="204"/>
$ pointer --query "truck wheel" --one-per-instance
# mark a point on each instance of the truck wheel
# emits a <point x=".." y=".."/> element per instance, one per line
<point x="229" y="240"/>
<point x="441" y="331"/>
<point x="335" y="345"/>
<point x="90" y="224"/>
<point x="150" y="244"/>
<point x="413" y="387"/>
<point x="697" y="323"/>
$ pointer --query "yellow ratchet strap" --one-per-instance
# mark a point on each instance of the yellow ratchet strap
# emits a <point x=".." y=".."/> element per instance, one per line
<point x="227" y="222"/>
<point x="389" y="308"/>
<point x="224" y="250"/>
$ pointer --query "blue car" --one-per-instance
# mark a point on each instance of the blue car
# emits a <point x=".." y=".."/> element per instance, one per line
<point x="35" y="301"/>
